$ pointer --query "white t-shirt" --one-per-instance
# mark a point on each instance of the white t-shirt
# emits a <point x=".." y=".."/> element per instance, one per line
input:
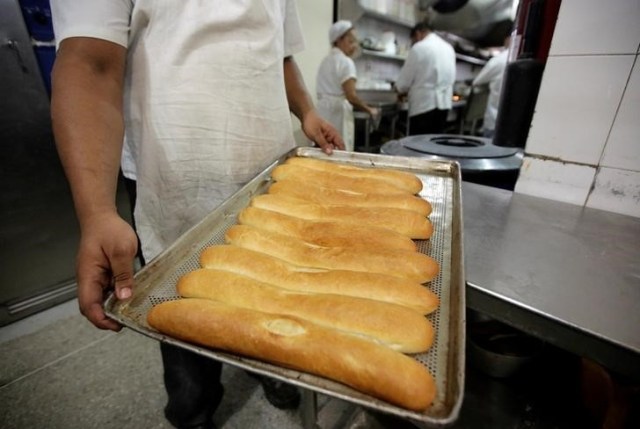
<point x="335" y="69"/>
<point x="205" y="103"/>
<point x="492" y="73"/>
<point x="428" y="75"/>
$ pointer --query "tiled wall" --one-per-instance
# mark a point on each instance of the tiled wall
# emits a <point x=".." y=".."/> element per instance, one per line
<point x="315" y="17"/>
<point x="584" y="142"/>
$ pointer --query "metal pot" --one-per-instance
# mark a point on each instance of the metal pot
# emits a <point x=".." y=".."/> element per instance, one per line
<point x="499" y="350"/>
<point x="480" y="160"/>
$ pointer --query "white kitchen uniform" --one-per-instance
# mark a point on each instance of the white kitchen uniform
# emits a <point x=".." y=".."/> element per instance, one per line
<point x="428" y="75"/>
<point x="205" y="104"/>
<point x="335" y="69"/>
<point x="492" y="73"/>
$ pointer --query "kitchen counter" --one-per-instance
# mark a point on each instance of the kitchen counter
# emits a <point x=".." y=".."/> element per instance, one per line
<point x="387" y="109"/>
<point x="567" y="274"/>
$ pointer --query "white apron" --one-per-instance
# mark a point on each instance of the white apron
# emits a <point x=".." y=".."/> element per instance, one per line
<point x="339" y="112"/>
<point x="206" y="108"/>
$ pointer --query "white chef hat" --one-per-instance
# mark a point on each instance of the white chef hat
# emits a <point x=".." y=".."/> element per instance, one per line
<point x="338" y="29"/>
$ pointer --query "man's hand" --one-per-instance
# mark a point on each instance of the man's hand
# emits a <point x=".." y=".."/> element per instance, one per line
<point x="316" y="129"/>
<point x="322" y="133"/>
<point x="108" y="246"/>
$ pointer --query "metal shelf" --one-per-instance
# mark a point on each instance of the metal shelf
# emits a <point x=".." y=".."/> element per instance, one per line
<point x="470" y="59"/>
<point x="379" y="54"/>
<point x="460" y="57"/>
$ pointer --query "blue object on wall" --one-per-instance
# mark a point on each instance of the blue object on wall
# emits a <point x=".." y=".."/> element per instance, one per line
<point x="37" y="18"/>
<point x="46" y="55"/>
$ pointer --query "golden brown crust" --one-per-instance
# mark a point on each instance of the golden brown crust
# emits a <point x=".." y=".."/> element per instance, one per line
<point x="364" y="365"/>
<point x="325" y="233"/>
<point x="398" y="327"/>
<point x="401" y="179"/>
<point x="268" y="269"/>
<point x="401" y="221"/>
<point x="315" y="193"/>
<point x="330" y="179"/>
<point x="406" y="264"/>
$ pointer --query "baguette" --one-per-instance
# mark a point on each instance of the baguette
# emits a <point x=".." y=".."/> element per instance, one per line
<point x="401" y="221"/>
<point x="400" y="263"/>
<point x="364" y="365"/>
<point x="267" y="269"/>
<point x="314" y="193"/>
<point x="325" y="233"/>
<point x="400" y="179"/>
<point x="337" y="181"/>
<point x="395" y="326"/>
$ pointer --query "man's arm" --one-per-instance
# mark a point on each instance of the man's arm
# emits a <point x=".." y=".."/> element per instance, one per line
<point x="349" y="88"/>
<point x="86" y="109"/>
<point x="301" y="105"/>
<point x="488" y="73"/>
<point x="406" y="76"/>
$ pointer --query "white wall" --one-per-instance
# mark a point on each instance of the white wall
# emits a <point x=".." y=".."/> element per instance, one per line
<point x="584" y="142"/>
<point x="316" y="16"/>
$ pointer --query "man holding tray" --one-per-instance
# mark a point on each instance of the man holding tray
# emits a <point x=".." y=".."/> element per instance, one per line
<point x="192" y="100"/>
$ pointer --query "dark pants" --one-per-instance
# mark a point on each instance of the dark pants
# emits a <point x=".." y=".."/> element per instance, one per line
<point x="431" y="122"/>
<point x="192" y="381"/>
<point x="193" y="387"/>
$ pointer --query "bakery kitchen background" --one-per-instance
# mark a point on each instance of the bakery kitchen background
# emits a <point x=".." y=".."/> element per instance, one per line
<point x="580" y="146"/>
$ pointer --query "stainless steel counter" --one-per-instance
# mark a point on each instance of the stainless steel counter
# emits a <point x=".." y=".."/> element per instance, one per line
<point x="387" y="109"/>
<point x="564" y="273"/>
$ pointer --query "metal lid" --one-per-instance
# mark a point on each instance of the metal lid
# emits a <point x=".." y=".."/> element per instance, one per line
<point x="473" y="153"/>
<point x="456" y="145"/>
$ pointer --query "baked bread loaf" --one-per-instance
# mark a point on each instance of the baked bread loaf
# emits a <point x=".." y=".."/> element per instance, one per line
<point x="404" y="222"/>
<point x="334" y="180"/>
<point x="295" y="343"/>
<point x="400" y="263"/>
<point x="325" y="233"/>
<point x="401" y="179"/>
<point x="314" y="193"/>
<point x="268" y="269"/>
<point x="395" y="326"/>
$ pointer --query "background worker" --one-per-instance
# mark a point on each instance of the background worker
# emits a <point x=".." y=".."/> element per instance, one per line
<point x="201" y="97"/>
<point x="427" y="77"/>
<point x="336" y="83"/>
<point x="492" y="74"/>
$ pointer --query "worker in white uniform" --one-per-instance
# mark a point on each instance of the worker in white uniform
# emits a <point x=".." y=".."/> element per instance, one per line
<point x="201" y="96"/>
<point x="336" y="83"/>
<point x="492" y="74"/>
<point x="427" y="77"/>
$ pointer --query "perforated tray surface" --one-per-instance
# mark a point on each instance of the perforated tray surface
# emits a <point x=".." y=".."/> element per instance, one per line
<point x="156" y="283"/>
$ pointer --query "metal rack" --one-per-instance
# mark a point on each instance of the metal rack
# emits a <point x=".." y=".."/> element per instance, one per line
<point x="156" y="283"/>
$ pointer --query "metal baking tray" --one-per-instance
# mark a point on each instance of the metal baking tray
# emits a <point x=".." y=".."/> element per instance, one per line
<point x="156" y="283"/>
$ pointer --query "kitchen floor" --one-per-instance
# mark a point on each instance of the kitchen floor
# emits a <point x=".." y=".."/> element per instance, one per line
<point x="58" y="371"/>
